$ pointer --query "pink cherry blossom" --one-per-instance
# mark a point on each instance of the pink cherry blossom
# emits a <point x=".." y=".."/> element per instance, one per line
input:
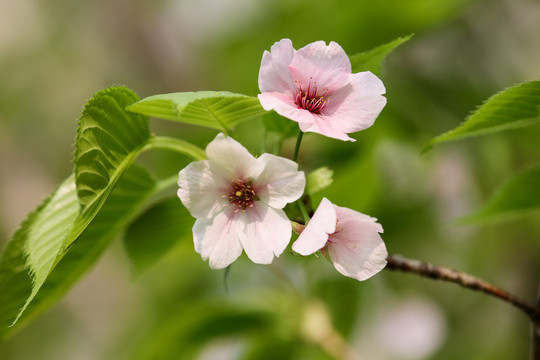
<point x="351" y="240"/>
<point x="314" y="86"/>
<point x="237" y="200"/>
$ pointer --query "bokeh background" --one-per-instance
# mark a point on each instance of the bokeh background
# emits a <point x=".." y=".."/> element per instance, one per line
<point x="55" y="54"/>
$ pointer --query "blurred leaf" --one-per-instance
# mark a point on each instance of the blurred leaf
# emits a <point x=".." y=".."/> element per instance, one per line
<point x="217" y="110"/>
<point x="155" y="232"/>
<point x="319" y="179"/>
<point x="181" y="335"/>
<point x="372" y="60"/>
<point x="512" y="108"/>
<point x="273" y="122"/>
<point x="518" y="196"/>
<point x="133" y="188"/>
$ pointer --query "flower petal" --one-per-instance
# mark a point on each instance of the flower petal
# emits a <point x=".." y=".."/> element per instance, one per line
<point x="264" y="233"/>
<point x="285" y="106"/>
<point x="324" y="125"/>
<point x="356" y="249"/>
<point x="217" y="239"/>
<point x="201" y="189"/>
<point x="356" y="106"/>
<point x="229" y="154"/>
<point x="274" y="72"/>
<point x="326" y="65"/>
<point x="280" y="182"/>
<point x="315" y="235"/>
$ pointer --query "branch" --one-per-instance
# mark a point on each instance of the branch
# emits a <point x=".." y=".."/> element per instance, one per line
<point x="397" y="262"/>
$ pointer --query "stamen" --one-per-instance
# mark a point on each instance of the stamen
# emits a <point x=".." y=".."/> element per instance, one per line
<point x="308" y="99"/>
<point x="242" y="195"/>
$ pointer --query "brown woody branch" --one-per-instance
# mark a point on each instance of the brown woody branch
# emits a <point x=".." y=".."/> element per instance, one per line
<point x="397" y="262"/>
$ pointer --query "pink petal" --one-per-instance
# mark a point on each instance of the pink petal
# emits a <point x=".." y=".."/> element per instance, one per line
<point x="280" y="182"/>
<point x="201" y="189"/>
<point x="328" y="66"/>
<point x="226" y="153"/>
<point x="315" y="235"/>
<point x="285" y="106"/>
<point x="264" y="233"/>
<point x="216" y="239"/>
<point x="356" y="249"/>
<point x="324" y="125"/>
<point x="356" y="106"/>
<point x="274" y="73"/>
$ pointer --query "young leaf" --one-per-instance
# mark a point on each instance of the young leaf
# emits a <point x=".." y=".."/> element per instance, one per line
<point x="372" y="60"/>
<point x="108" y="140"/>
<point x="217" y="110"/>
<point x="518" y="196"/>
<point x="15" y="281"/>
<point x="318" y="180"/>
<point x="512" y="108"/>
<point x="156" y="231"/>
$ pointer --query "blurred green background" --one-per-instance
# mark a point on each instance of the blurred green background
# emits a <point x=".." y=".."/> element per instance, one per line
<point x="55" y="54"/>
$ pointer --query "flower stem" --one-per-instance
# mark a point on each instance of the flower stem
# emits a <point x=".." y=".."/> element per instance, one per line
<point x="397" y="262"/>
<point x="181" y="146"/>
<point x="303" y="211"/>
<point x="297" y="146"/>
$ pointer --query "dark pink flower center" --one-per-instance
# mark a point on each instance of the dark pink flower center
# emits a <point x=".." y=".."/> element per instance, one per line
<point x="309" y="98"/>
<point x="242" y="195"/>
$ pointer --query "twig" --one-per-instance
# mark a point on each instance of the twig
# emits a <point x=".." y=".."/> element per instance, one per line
<point x="397" y="262"/>
<point x="535" y="331"/>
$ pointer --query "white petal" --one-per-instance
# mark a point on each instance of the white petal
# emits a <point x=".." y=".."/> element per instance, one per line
<point x="201" y="188"/>
<point x="264" y="233"/>
<point x="356" y="249"/>
<point x="274" y="74"/>
<point x="280" y="182"/>
<point x="217" y="239"/>
<point x="315" y="235"/>
<point x="356" y="106"/>
<point x="229" y="154"/>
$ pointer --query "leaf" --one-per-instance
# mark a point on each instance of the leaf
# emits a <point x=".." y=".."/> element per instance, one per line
<point x="155" y="232"/>
<point x="372" y="60"/>
<point x="221" y="110"/>
<point x="512" y="108"/>
<point x="108" y="139"/>
<point x="275" y="123"/>
<point x="318" y="180"/>
<point x="15" y="280"/>
<point x="517" y="197"/>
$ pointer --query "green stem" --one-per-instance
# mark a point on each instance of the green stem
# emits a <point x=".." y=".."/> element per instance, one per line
<point x="297" y="146"/>
<point x="181" y="146"/>
<point x="303" y="211"/>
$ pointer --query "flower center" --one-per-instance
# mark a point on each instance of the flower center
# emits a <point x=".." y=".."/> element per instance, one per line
<point x="309" y="99"/>
<point x="242" y="195"/>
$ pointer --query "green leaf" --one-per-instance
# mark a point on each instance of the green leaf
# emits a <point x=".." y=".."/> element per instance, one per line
<point x="157" y="231"/>
<point x="220" y="110"/>
<point x="275" y="123"/>
<point x="318" y="180"/>
<point x="512" y="108"/>
<point x="372" y="60"/>
<point x="133" y="189"/>
<point x="108" y="140"/>
<point x="517" y="197"/>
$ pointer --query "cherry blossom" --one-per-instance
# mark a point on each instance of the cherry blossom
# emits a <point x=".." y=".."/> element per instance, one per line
<point x="237" y="200"/>
<point x="314" y="86"/>
<point x="349" y="238"/>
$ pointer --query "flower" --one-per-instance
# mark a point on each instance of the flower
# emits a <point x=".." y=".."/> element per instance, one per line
<point x="351" y="240"/>
<point x="314" y="86"/>
<point x="237" y="201"/>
